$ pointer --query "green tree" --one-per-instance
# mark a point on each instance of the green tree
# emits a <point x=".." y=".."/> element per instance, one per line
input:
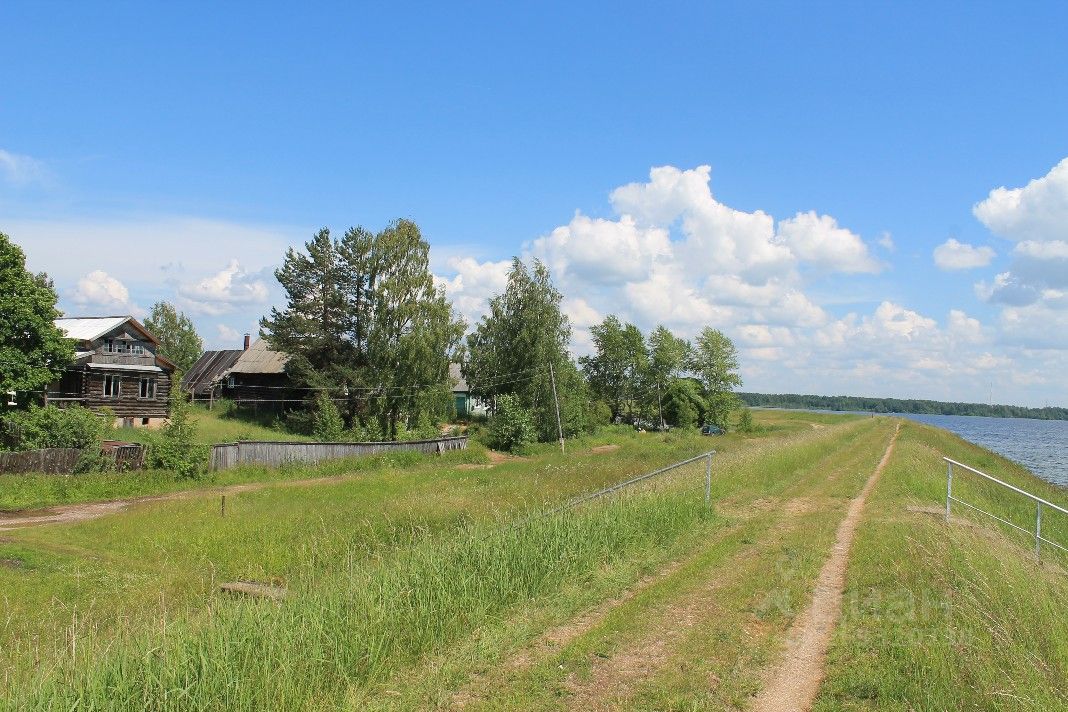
<point x="684" y="404"/>
<point x="33" y="351"/>
<point x="513" y="346"/>
<point x="178" y="338"/>
<point x="668" y="357"/>
<point x="714" y="361"/>
<point x="364" y="319"/>
<point x="615" y="371"/>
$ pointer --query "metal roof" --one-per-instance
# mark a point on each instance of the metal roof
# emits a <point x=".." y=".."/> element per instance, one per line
<point x="124" y="367"/>
<point x="460" y="385"/>
<point x="90" y="327"/>
<point x="260" y="359"/>
<point x="209" y="367"/>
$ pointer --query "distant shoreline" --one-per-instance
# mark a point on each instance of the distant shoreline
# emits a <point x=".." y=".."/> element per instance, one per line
<point x="911" y="406"/>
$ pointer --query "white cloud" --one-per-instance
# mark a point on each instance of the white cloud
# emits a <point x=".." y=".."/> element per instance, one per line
<point x="221" y="292"/>
<point x="955" y="255"/>
<point x="99" y="290"/>
<point x="473" y="284"/>
<point x="229" y="334"/>
<point x="819" y="240"/>
<point x="672" y="254"/>
<point x="601" y="251"/>
<point x="886" y="241"/>
<point x="1036" y="218"/>
<point x="1038" y="211"/>
<point x="20" y="170"/>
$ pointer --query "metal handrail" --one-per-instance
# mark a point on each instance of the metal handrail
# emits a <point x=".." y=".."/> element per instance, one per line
<point x="707" y="456"/>
<point x="1006" y="484"/>
<point x="1039" y="503"/>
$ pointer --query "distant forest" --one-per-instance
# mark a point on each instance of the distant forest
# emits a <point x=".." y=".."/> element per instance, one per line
<point x="896" y="405"/>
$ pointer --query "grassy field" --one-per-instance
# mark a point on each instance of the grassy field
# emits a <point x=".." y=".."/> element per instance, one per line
<point x="213" y="427"/>
<point x="426" y="584"/>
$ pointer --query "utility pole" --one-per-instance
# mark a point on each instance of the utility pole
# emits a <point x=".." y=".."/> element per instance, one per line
<point x="559" y="427"/>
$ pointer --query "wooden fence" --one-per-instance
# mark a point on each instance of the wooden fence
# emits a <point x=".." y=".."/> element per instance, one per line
<point x="50" y="461"/>
<point x="278" y="453"/>
<point x="62" y="460"/>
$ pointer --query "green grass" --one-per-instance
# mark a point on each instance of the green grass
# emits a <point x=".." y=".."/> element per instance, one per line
<point x="416" y="584"/>
<point x="161" y="560"/>
<point x="213" y="427"/>
<point x="958" y="616"/>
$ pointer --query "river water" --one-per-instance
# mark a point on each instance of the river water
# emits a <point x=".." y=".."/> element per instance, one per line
<point x="1039" y="445"/>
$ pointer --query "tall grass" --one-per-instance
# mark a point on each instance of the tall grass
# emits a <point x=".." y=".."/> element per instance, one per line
<point x="955" y="616"/>
<point x="360" y="624"/>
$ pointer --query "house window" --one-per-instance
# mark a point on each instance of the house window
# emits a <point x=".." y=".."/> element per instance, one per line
<point x="137" y="349"/>
<point x="112" y="386"/>
<point x="109" y="346"/>
<point x="148" y="387"/>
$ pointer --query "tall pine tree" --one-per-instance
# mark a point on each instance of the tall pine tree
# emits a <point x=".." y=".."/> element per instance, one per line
<point x="364" y="319"/>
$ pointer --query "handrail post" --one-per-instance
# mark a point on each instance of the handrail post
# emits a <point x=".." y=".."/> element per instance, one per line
<point x="949" y="487"/>
<point x="1038" y="530"/>
<point x="708" y="481"/>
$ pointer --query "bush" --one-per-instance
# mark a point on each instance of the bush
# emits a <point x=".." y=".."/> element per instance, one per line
<point x="600" y="414"/>
<point x="424" y="429"/>
<point x="38" y="428"/>
<point x="512" y="426"/>
<point x="177" y="448"/>
<point x="327" y="424"/>
<point x="745" y="421"/>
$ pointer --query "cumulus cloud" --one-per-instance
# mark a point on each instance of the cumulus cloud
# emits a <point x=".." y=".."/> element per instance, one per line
<point x="224" y="290"/>
<point x="473" y="283"/>
<point x="1037" y="211"/>
<point x="602" y="251"/>
<point x="955" y="255"/>
<point x="100" y="291"/>
<point x="673" y="254"/>
<point x="1035" y="217"/>
<point x="819" y="240"/>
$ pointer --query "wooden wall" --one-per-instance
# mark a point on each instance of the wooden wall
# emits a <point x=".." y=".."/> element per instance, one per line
<point x="128" y="404"/>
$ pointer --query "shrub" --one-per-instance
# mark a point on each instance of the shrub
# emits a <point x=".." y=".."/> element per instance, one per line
<point x="600" y="413"/>
<point x="424" y="429"/>
<point x="177" y="448"/>
<point x="37" y="428"/>
<point x="745" y="421"/>
<point x="512" y="426"/>
<point x="327" y="424"/>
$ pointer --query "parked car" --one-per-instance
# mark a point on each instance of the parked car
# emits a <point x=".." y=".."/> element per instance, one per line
<point x="711" y="430"/>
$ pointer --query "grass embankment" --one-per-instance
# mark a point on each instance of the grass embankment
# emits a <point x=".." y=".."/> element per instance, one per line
<point x="161" y="561"/>
<point x="952" y="617"/>
<point x="407" y="593"/>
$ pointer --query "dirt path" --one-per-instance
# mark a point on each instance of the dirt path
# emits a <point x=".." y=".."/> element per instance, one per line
<point x="794" y="684"/>
<point x="67" y="513"/>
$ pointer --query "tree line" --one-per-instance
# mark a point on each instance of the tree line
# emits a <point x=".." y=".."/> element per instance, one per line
<point x="370" y="339"/>
<point x="899" y="405"/>
<point x="370" y="333"/>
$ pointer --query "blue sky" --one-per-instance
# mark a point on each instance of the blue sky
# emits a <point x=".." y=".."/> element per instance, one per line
<point x="217" y="136"/>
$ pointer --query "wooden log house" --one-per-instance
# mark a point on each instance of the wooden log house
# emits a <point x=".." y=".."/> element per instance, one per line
<point x="116" y="365"/>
